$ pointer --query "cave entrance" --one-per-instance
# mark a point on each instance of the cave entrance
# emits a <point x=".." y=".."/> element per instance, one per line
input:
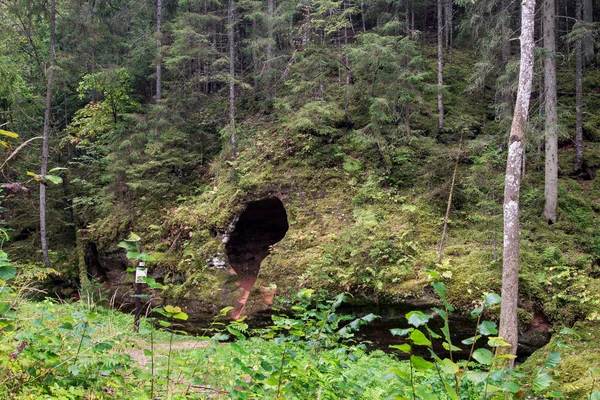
<point x="262" y="224"/>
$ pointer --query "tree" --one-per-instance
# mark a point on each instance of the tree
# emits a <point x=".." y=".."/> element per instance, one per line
<point x="512" y="185"/>
<point x="579" y="93"/>
<point x="588" y="42"/>
<point x="230" y="37"/>
<point x="158" y="49"/>
<point x="46" y="135"/>
<point x="440" y="31"/>
<point x="551" y="129"/>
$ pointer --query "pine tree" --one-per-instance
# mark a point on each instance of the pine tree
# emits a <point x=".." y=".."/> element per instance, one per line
<point x="551" y="128"/>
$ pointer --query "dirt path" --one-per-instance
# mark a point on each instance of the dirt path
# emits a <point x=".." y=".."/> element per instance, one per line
<point x="161" y="350"/>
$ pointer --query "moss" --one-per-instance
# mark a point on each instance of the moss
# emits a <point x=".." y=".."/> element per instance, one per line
<point x="580" y="362"/>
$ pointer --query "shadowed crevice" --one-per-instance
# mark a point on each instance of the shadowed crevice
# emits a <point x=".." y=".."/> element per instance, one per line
<point x="261" y="225"/>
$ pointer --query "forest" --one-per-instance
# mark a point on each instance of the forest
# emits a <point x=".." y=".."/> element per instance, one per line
<point x="314" y="199"/>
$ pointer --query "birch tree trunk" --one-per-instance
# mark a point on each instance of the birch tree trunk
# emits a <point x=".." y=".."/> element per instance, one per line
<point x="46" y="135"/>
<point x="158" y="49"/>
<point x="440" y="27"/>
<point x="512" y="185"/>
<point x="579" y="96"/>
<point x="551" y="129"/>
<point x="230" y="36"/>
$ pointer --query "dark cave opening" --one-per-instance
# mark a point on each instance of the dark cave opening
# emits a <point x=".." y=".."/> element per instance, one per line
<point x="261" y="225"/>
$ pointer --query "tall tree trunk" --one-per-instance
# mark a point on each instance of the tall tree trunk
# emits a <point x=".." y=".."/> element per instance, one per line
<point x="505" y="27"/>
<point x="269" y="50"/>
<point x="588" y="43"/>
<point x="46" y="134"/>
<point x="512" y="184"/>
<point x="230" y="36"/>
<point x="440" y="27"/>
<point x="158" y="49"/>
<point x="347" y="66"/>
<point x="550" y="127"/>
<point x="448" y="27"/>
<point x="579" y="97"/>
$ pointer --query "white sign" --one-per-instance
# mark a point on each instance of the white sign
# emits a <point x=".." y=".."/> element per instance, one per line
<point x="140" y="273"/>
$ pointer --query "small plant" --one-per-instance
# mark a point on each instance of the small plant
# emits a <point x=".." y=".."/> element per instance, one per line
<point x="485" y="371"/>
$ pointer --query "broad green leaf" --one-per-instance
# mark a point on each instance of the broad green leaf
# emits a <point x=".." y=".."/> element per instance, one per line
<point x="541" y="382"/>
<point x="595" y="395"/>
<point x="491" y="299"/>
<point x="496" y="341"/>
<point x="54" y="179"/>
<point x="475" y="313"/>
<point x="172" y="310"/>
<point x="559" y="395"/>
<point x="56" y="169"/>
<point x="417" y="318"/>
<point x="553" y="359"/>
<point x="476" y="377"/>
<point x="506" y="357"/>
<point x="132" y="254"/>
<point x="146" y="257"/>
<point x="147" y="353"/>
<point x="511" y="386"/>
<point x="420" y="364"/>
<point x="487" y="328"/>
<point x="483" y="356"/>
<point x="401" y="332"/>
<point x="127" y="246"/>
<point x="181" y="316"/>
<point x="398" y="374"/>
<point x="470" y="340"/>
<point x="369" y="317"/>
<point x="440" y="289"/>
<point x="433" y="274"/>
<point x="405" y="348"/>
<point x="448" y="366"/>
<point x="9" y="134"/>
<point x="7" y="272"/>
<point x="419" y="338"/>
<point x="449" y="347"/>
<point x="450" y="391"/>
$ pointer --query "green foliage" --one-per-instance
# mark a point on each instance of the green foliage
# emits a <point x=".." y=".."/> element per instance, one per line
<point x="114" y="85"/>
<point x="486" y="379"/>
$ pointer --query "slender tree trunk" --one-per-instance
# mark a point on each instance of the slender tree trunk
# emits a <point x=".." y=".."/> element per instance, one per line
<point x="158" y="50"/>
<point x="588" y="43"/>
<point x="512" y="185"/>
<point x="347" y="65"/>
<point x="362" y="15"/>
<point x="448" y="27"/>
<point x="230" y="36"/>
<point x="449" y="204"/>
<point x="46" y="134"/>
<point x="551" y="129"/>
<point x="440" y="27"/>
<point x="579" y="97"/>
<point x="412" y="16"/>
<point x="505" y="26"/>
<point x="269" y="50"/>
